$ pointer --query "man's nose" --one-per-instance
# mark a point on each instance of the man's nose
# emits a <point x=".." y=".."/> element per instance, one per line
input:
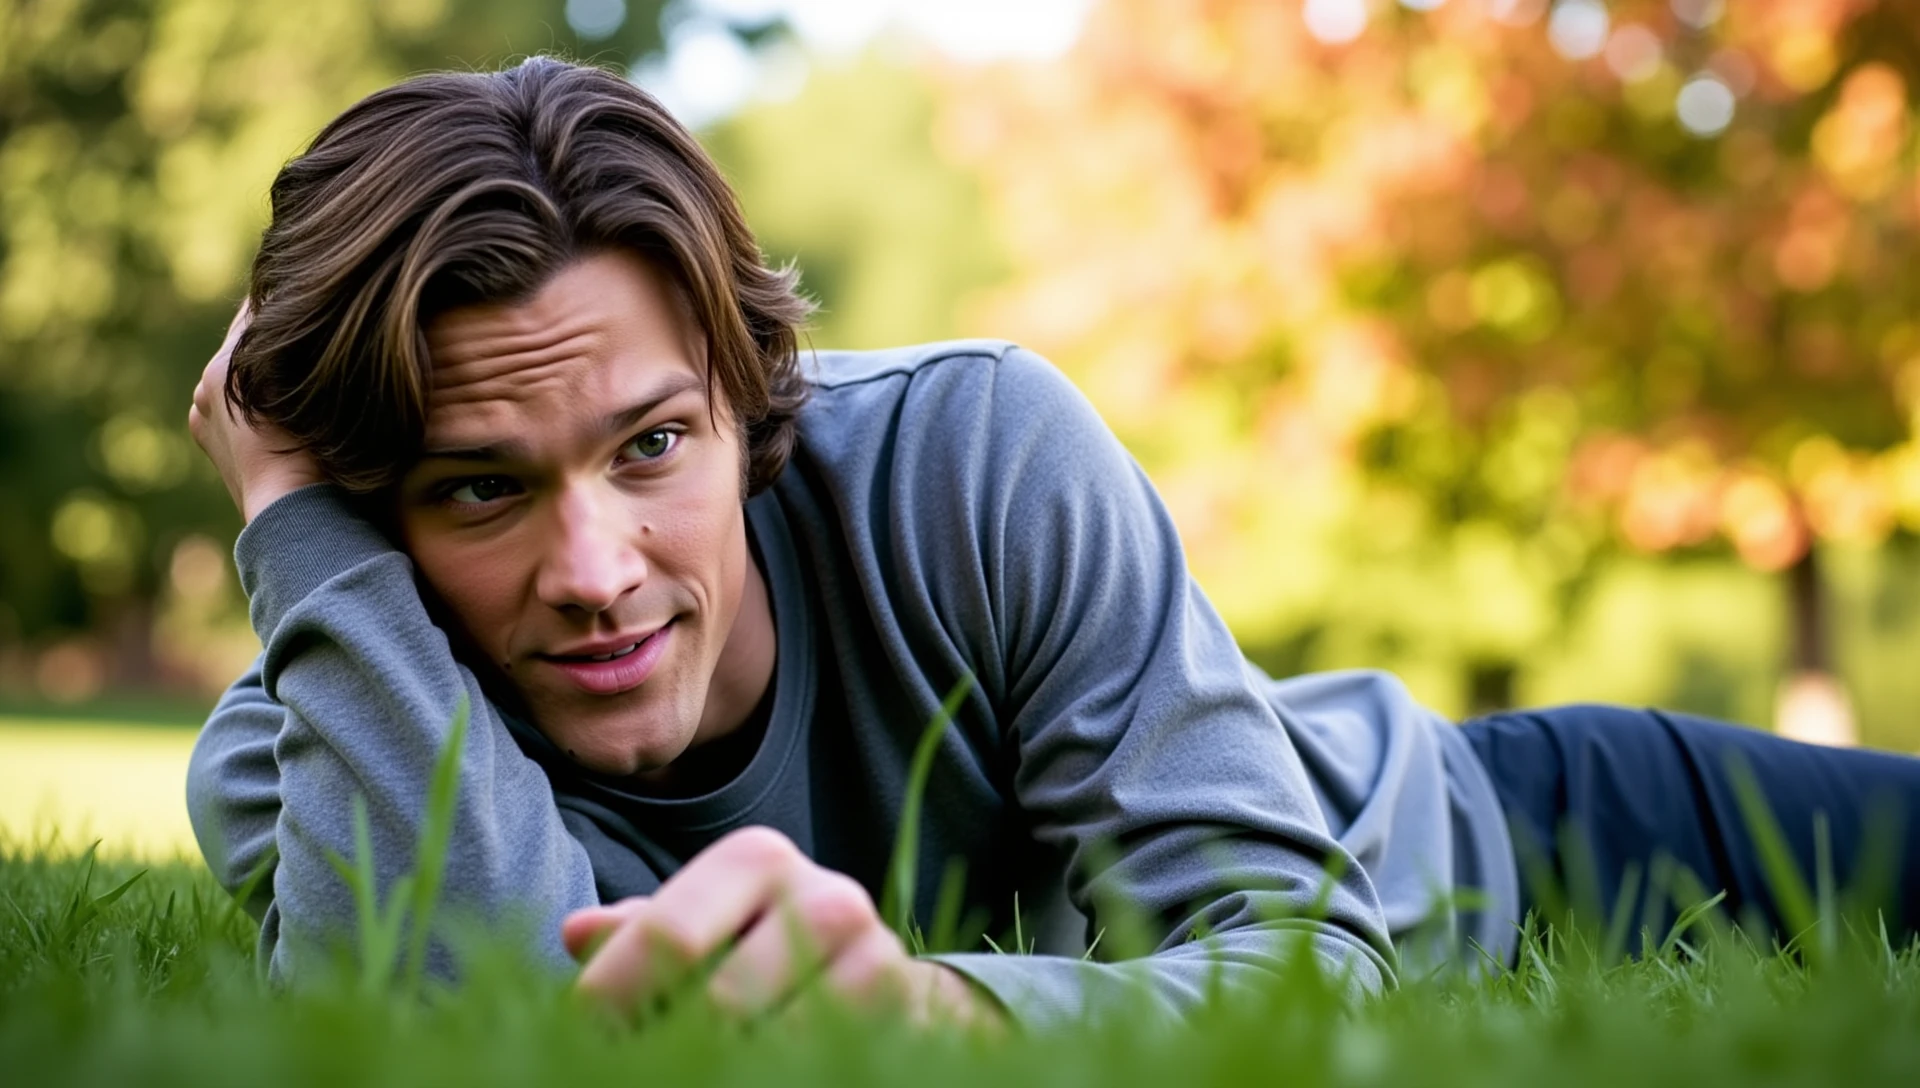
<point x="593" y="557"/>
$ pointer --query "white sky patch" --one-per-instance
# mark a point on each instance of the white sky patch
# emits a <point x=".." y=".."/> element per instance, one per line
<point x="1578" y="28"/>
<point x="596" y="19"/>
<point x="1516" y="12"/>
<point x="967" y="30"/>
<point x="707" y="73"/>
<point x="1699" y="14"/>
<point x="1705" y="105"/>
<point x="1335" y="21"/>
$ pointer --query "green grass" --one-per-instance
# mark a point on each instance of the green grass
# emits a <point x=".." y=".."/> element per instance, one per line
<point x="157" y="985"/>
<point x="116" y="974"/>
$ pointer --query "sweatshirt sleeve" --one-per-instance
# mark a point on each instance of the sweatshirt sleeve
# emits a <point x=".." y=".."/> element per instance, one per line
<point x="355" y="695"/>
<point x="1146" y="754"/>
<point x="233" y="786"/>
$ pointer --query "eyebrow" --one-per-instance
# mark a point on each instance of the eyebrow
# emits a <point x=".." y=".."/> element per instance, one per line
<point x="614" y="424"/>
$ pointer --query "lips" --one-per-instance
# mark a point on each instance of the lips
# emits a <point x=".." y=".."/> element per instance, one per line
<point x="611" y="666"/>
<point x="615" y="655"/>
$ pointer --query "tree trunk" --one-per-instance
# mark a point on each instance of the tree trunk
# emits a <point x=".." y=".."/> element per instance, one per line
<point x="1489" y="687"/>
<point x="1811" y="703"/>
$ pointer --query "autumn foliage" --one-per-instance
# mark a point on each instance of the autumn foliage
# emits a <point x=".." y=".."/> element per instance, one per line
<point x="1479" y="294"/>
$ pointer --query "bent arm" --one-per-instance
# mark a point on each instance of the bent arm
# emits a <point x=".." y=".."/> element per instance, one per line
<point x="359" y="690"/>
<point x="1146" y="754"/>
<point x="233" y="786"/>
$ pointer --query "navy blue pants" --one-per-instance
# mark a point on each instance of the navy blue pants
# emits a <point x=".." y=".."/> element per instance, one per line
<point x="1594" y="793"/>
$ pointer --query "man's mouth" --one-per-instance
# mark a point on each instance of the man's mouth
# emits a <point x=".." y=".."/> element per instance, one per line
<point x="612" y="666"/>
<point x="622" y="652"/>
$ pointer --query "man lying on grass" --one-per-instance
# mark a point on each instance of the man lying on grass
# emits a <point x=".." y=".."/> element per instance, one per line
<point x="517" y="419"/>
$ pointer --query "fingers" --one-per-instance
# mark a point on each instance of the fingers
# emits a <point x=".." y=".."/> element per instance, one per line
<point x="581" y="929"/>
<point x="210" y="387"/>
<point x="730" y="882"/>
<point x="789" y="944"/>
<point x="213" y="378"/>
<point x="869" y="969"/>
<point x="701" y="908"/>
<point x="241" y="319"/>
<point x="752" y="904"/>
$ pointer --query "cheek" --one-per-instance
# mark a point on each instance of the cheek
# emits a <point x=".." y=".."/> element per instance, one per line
<point x="477" y="581"/>
<point x="698" y="532"/>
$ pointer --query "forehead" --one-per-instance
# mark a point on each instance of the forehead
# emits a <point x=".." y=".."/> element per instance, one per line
<point x="605" y="330"/>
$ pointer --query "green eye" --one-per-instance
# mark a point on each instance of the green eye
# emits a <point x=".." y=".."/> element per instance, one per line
<point x="650" y="446"/>
<point x="482" y="490"/>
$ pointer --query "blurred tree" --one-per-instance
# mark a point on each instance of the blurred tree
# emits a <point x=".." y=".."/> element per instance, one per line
<point x="1415" y="319"/>
<point x="846" y="178"/>
<point x="137" y="140"/>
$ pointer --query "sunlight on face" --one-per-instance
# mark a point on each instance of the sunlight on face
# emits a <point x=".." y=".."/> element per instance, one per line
<point x="578" y="509"/>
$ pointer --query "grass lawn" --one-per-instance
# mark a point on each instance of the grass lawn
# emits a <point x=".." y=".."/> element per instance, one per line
<point x="122" y="784"/>
<point x="126" y="973"/>
<point x="158" y="987"/>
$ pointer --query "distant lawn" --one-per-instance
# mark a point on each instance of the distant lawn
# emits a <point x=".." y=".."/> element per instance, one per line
<point x="121" y="783"/>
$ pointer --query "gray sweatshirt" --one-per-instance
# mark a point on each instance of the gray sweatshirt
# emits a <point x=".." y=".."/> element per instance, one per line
<point x="951" y="510"/>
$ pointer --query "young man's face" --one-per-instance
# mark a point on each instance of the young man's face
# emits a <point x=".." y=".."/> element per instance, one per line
<point x="579" y="498"/>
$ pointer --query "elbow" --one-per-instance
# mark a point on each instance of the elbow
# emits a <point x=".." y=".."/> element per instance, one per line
<point x="206" y="813"/>
<point x="234" y="828"/>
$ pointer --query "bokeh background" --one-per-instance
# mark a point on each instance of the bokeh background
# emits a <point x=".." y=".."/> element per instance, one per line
<point x="1537" y="350"/>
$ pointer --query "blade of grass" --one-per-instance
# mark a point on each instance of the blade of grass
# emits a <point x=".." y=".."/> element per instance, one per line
<point x="1876" y="861"/>
<point x="944" y="936"/>
<point x="244" y="894"/>
<point x="1686" y="920"/>
<point x="1776" y="860"/>
<point x="430" y="859"/>
<point x="1614" y="947"/>
<point x="903" y="872"/>
<point x="376" y="929"/>
<point x="1332" y="872"/>
<point x="1653" y="902"/>
<point x="1019" y="929"/>
<point x="1826" y="898"/>
<point x="108" y="899"/>
<point x="1094" y="946"/>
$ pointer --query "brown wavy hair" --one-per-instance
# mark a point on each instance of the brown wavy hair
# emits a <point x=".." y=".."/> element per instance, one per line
<point x="458" y="188"/>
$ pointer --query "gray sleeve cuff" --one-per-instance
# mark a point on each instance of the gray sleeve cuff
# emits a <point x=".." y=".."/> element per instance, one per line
<point x="296" y="544"/>
<point x="1042" y="993"/>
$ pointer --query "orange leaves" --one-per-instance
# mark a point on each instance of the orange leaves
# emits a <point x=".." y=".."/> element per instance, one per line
<point x="1860" y="140"/>
<point x="1209" y="206"/>
<point x="1684" y="495"/>
<point x="1809" y="251"/>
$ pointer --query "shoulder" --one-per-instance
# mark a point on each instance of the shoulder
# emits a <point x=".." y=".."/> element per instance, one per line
<point x="948" y="392"/>
<point x="951" y="367"/>
<point x="833" y="371"/>
<point x="980" y="425"/>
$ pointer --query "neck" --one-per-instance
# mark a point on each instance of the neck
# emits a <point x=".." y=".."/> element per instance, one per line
<point x="745" y="670"/>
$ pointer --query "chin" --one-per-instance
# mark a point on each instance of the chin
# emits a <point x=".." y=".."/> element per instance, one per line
<point x="611" y="742"/>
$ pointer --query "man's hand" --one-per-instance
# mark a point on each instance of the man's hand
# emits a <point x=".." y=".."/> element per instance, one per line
<point x="258" y="464"/>
<point x="776" y="922"/>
